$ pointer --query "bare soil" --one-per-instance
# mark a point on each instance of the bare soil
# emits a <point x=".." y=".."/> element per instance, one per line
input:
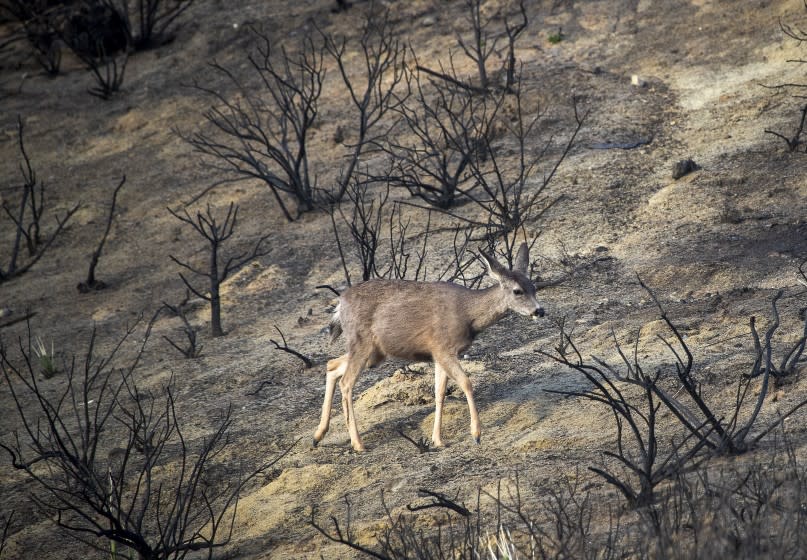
<point x="715" y="245"/>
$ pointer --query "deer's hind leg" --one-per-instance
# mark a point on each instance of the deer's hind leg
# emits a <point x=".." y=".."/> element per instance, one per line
<point x="335" y="370"/>
<point x="355" y="363"/>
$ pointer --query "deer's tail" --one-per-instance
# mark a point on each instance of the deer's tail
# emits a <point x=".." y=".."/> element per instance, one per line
<point x="335" y="326"/>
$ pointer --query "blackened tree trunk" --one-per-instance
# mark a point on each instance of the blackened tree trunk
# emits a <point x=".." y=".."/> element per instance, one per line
<point x="215" y="295"/>
<point x="216" y="234"/>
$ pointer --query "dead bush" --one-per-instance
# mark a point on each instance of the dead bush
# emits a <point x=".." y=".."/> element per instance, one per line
<point x="110" y="462"/>
<point x="26" y="217"/>
<point x="703" y="429"/>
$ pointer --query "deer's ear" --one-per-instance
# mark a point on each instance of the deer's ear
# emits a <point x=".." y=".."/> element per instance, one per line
<point x="522" y="259"/>
<point x="496" y="270"/>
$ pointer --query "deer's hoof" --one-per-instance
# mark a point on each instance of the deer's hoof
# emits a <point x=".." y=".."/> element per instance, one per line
<point x="314" y="442"/>
<point x="478" y="439"/>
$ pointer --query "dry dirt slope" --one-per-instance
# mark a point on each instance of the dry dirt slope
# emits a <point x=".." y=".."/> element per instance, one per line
<point x="715" y="245"/>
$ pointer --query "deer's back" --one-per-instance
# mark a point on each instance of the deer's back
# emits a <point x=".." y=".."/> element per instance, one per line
<point x="411" y="320"/>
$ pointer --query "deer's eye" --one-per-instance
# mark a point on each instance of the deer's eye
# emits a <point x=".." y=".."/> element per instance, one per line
<point x="518" y="292"/>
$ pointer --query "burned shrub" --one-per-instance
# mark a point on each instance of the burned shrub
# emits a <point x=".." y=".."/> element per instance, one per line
<point x="263" y="132"/>
<point x="37" y="20"/>
<point x="111" y="462"/>
<point x="112" y="26"/>
<point x="26" y="217"/>
<point x="794" y="141"/>
<point x="216" y="233"/>
<point x="701" y="428"/>
<point x="96" y="29"/>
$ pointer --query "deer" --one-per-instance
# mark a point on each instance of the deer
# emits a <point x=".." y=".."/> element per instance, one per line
<point x="421" y="321"/>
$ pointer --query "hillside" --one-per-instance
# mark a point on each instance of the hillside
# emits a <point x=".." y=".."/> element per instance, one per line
<point x="714" y="245"/>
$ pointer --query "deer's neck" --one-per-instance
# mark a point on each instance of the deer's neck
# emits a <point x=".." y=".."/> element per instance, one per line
<point x="485" y="307"/>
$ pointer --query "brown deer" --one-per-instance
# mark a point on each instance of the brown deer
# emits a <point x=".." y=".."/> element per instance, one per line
<point x="434" y="321"/>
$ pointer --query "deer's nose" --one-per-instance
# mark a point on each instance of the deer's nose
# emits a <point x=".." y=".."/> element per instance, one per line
<point x="539" y="312"/>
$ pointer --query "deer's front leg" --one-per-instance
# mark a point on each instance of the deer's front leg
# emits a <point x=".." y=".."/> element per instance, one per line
<point x="455" y="372"/>
<point x="440" y="381"/>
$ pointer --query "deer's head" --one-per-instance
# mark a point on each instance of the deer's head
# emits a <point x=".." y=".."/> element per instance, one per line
<point x="517" y="290"/>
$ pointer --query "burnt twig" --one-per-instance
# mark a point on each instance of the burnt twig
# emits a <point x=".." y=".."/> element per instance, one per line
<point x="327" y="287"/>
<point x="513" y="31"/>
<point x="423" y="445"/>
<point x="451" y="80"/>
<point x="194" y="349"/>
<point x="439" y="500"/>
<point x="343" y="537"/>
<point x="92" y="284"/>
<point x="16" y="320"/>
<point x="4" y="534"/>
<point x="285" y="348"/>
<point x="795" y="141"/>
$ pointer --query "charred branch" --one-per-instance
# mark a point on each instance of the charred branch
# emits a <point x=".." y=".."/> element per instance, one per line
<point x="637" y="448"/>
<point x="794" y="141"/>
<point x="705" y="429"/>
<point x="98" y="35"/>
<point x="341" y="535"/>
<point x="38" y="24"/>
<point x="4" y="534"/>
<point x="378" y="239"/>
<point x="193" y="348"/>
<point x="154" y="21"/>
<point x="439" y="500"/>
<point x="92" y="284"/>
<point x="328" y="287"/>
<point x="28" y="315"/>
<point x="108" y="72"/>
<point x="513" y="31"/>
<point x="286" y="348"/>
<point x="422" y="444"/>
<point x="451" y="80"/>
<point x="364" y="227"/>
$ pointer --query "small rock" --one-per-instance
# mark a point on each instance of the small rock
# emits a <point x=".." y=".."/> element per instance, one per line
<point x="683" y="167"/>
<point x="339" y="135"/>
<point x="427" y="21"/>
<point x="635" y="80"/>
